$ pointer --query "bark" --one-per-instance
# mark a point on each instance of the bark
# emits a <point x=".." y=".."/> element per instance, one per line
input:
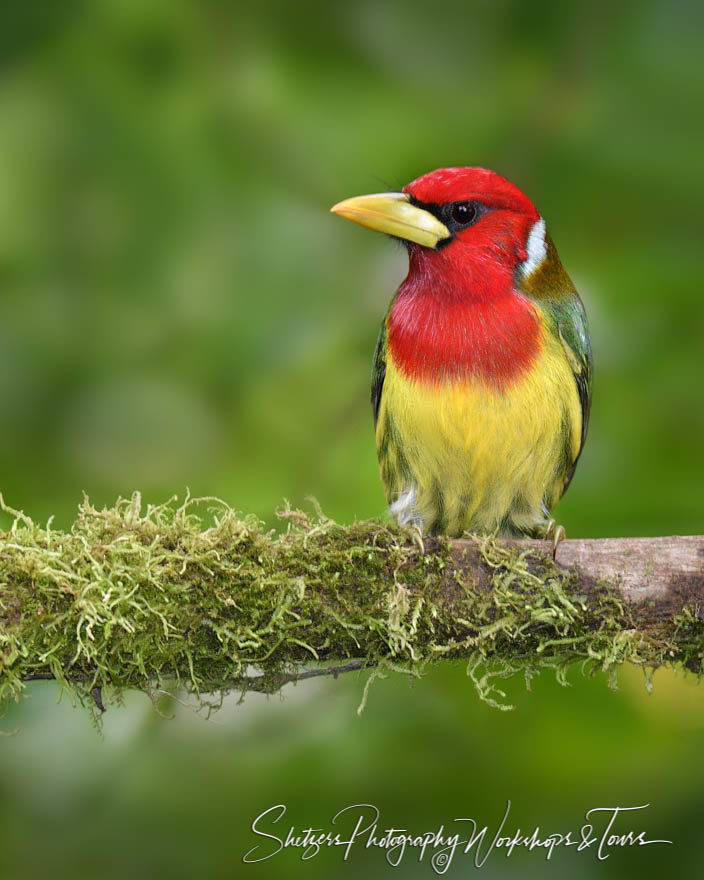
<point x="656" y="576"/>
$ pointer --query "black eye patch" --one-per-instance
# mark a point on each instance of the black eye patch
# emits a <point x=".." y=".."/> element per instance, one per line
<point x="455" y="215"/>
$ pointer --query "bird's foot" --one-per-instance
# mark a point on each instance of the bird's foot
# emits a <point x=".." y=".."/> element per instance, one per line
<point x="556" y="532"/>
<point x="417" y="536"/>
<point x="414" y="531"/>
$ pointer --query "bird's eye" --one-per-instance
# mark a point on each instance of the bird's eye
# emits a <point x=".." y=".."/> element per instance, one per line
<point x="464" y="213"/>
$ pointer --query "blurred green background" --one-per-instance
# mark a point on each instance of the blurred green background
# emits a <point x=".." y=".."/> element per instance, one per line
<point x="180" y="310"/>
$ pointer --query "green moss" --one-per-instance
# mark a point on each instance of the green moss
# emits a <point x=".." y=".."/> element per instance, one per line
<point x="194" y="595"/>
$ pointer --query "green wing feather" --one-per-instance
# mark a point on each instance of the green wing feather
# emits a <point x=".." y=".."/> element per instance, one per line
<point x="379" y="371"/>
<point x="393" y="466"/>
<point x="551" y="288"/>
<point x="571" y="323"/>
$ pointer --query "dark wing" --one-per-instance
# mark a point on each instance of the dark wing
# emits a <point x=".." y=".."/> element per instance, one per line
<point x="378" y="371"/>
<point x="574" y="335"/>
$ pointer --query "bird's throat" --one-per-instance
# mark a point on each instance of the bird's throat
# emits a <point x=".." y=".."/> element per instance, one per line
<point x="443" y="333"/>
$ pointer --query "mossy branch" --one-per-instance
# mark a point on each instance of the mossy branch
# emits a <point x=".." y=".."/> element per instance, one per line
<point x="194" y="595"/>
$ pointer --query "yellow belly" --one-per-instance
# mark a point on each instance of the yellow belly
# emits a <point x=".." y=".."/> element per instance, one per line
<point x="465" y="456"/>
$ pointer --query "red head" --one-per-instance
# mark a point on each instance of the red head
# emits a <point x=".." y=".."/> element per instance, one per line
<point x="472" y="237"/>
<point x="489" y="220"/>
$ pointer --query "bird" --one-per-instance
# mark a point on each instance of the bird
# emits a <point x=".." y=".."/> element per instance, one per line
<point x="482" y="373"/>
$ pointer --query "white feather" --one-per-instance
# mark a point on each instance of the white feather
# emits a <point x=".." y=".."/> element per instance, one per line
<point x="536" y="247"/>
<point x="403" y="507"/>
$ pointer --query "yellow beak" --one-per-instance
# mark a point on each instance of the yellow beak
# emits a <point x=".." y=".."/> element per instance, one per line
<point x="394" y="214"/>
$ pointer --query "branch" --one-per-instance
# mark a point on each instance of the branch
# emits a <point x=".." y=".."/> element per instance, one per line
<point x="657" y="576"/>
<point x="133" y="598"/>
